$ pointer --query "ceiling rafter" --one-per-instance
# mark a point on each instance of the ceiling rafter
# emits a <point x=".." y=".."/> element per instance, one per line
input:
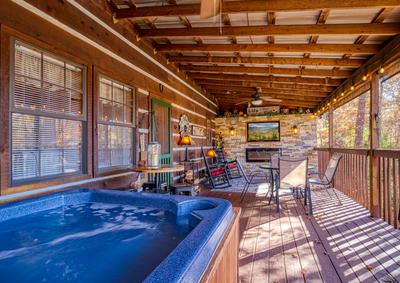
<point x="323" y="16"/>
<point x="271" y="19"/>
<point x="351" y="63"/>
<point x="378" y="19"/>
<point x="268" y="70"/>
<point x="250" y="6"/>
<point x="251" y="90"/>
<point x="230" y="99"/>
<point x="260" y="78"/>
<point x="283" y="48"/>
<point x="270" y="85"/>
<point x="271" y="30"/>
<point x="227" y="23"/>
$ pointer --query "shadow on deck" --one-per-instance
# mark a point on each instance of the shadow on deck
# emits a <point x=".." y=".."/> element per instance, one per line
<point x="340" y="243"/>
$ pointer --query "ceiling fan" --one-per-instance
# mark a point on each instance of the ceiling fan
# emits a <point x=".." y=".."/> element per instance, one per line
<point x="210" y="8"/>
<point x="257" y="99"/>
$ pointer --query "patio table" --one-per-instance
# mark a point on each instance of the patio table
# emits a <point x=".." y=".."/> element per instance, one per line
<point x="273" y="168"/>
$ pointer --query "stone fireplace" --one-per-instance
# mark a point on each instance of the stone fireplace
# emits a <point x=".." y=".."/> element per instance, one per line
<point x="260" y="154"/>
<point x="294" y="145"/>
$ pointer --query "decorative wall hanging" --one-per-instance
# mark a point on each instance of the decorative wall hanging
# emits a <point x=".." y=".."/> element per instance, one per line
<point x="261" y="111"/>
<point x="184" y="126"/>
<point x="198" y="131"/>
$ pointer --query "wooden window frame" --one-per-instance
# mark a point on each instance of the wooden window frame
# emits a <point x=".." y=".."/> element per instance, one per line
<point x="12" y="109"/>
<point x="98" y="121"/>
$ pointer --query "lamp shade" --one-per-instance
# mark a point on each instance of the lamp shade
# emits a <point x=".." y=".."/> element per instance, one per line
<point x="211" y="153"/>
<point x="185" y="140"/>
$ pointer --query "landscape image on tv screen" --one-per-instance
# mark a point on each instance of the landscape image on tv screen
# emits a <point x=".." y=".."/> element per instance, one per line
<point x="263" y="131"/>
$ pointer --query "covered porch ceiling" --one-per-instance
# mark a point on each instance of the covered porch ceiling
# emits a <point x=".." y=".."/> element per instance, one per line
<point x="297" y="52"/>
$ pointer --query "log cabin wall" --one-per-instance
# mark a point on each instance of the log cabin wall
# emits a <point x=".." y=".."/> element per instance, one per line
<point x="79" y="31"/>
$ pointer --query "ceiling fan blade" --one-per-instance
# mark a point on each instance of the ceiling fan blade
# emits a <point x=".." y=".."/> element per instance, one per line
<point x="209" y="8"/>
<point x="242" y="102"/>
<point x="267" y="98"/>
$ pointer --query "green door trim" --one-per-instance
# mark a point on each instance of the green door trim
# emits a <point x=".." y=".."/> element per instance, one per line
<point x="166" y="158"/>
<point x="155" y="101"/>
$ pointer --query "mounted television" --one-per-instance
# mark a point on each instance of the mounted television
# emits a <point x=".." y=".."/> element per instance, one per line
<point x="263" y="131"/>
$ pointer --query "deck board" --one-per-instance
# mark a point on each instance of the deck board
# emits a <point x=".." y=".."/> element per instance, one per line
<point x="340" y="243"/>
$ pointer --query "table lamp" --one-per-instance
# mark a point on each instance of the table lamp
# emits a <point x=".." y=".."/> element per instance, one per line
<point x="185" y="140"/>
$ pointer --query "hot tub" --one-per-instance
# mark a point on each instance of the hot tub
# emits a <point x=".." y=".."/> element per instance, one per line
<point x="110" y="236"/>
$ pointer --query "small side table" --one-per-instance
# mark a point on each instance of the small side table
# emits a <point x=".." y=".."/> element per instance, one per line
<point x="157" y="172"/>
<point x="191" y="180"/>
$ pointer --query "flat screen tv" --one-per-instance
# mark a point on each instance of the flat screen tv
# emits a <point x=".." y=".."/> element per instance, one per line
<point x="263" y="131"/>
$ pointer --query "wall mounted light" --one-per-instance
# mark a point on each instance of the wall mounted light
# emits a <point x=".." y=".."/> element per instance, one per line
<point x="295" y="130"/>
<point x="232" y="131"/>
<point x="364" y="78"/>
<point x="381" y="70"/>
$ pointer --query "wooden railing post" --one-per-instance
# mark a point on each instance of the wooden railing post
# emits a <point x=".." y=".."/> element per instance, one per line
<point x="374" y="144"/>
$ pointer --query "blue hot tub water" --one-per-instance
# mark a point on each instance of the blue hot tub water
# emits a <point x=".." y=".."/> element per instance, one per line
<point x="94" y="237"/>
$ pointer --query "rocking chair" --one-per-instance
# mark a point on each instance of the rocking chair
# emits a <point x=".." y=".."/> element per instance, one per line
<point x="231" y="166"/>
<point x="217" y="173"/>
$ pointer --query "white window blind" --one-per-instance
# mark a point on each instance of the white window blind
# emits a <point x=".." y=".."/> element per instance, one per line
<point x="47" y="115"/>
<point x="115" y="124"/>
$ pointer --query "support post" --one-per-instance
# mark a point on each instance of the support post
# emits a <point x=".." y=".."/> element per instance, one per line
<point x="331" y="141"/>
<point x="374" y="144"/>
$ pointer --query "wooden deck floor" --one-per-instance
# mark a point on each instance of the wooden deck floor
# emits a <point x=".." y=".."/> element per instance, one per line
<point x="341" y="243"/>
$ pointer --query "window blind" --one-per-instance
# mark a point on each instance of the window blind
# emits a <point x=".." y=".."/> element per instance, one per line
<point x="47" y="115"/>
<point x="115" y="124"/>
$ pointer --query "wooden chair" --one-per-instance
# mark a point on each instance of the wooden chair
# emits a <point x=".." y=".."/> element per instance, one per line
<point x="231" y="166"/>
<point x="292" y="179"/>
<point x="327" y="180"/>
<point x="217" y="173"/>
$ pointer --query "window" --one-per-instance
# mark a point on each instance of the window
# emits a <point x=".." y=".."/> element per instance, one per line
<point x="47" y="115"/>
<point x="351" y="123"/>
<point x="116" y="125"/>
<point x="323" y="130"/>
<point x="389" y="112"/>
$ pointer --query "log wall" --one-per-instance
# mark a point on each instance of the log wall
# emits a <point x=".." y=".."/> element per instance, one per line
<point x="83" y="32"/>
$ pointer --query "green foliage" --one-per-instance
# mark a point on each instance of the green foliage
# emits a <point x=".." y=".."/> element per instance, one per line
<point x="263" y="134"/>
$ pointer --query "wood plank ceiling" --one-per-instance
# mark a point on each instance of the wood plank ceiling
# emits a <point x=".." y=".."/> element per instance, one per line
<point x="295" y="51"/>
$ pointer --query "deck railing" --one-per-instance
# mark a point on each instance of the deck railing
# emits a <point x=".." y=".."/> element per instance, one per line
<point x="353" y="178"/>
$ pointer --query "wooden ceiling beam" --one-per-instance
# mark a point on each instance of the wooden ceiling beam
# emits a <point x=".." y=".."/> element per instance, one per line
<point x="265" y="48"/>
<point x="352" y="63"/>
<point x="268" y="70"/>
<point x="266" y="91"/>
<point x="250" y="6"/>
<point x="241" y="97"/>
<point x="274" y="30"/>
<point x="293" y="91"/>
<point x="259" y="78"/>
<point x="270" y="85"/>
<point x="229" y="101"/>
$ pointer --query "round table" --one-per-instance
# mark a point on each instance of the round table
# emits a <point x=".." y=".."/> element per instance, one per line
<point x="158" y="171"/>
<point x="276" y="169"/>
